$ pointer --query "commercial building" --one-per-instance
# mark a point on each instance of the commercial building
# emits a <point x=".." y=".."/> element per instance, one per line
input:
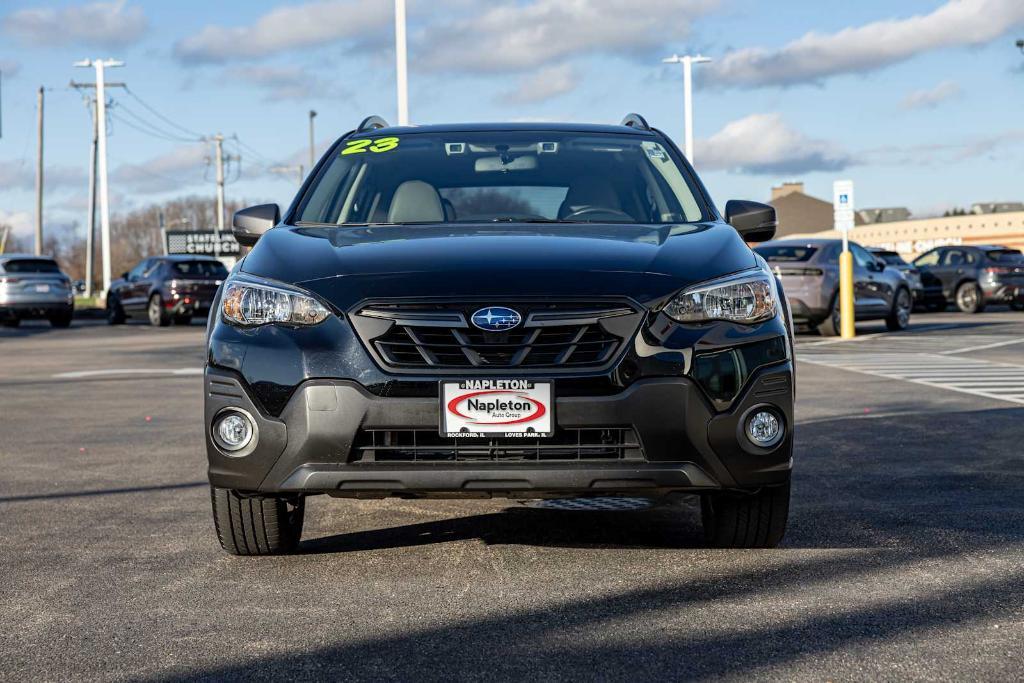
<point x="801" y="215"/>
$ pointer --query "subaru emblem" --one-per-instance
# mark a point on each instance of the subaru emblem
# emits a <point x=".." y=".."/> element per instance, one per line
<point x="496" y="319"/>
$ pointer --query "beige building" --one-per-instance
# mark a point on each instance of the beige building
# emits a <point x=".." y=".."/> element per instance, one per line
<point x="908" y="237"/>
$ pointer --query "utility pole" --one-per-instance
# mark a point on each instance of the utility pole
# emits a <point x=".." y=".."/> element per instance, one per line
<point x="90" y="235"/>
<point x="39" y="173"/>
<point x="401" y="64"/>
<point x="218" y="140"/>
<point x="687" y="61"/>
<point x="220" y="159"/>
<point x="312" y="145"/>
<point x="101" y="152"/>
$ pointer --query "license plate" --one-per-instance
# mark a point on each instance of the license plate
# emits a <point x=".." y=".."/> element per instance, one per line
<point x="42" y="288"/>
<point x="496" y="407"/>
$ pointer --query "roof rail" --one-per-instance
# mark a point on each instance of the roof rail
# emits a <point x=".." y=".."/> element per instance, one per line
<point x="635" y="121"/>
<point x="371" y="123"/>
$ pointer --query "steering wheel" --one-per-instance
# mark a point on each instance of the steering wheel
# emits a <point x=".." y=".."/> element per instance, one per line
<point x="589" y="210"/>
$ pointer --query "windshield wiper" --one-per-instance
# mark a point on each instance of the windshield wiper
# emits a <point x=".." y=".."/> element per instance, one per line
<point x="515" y="219"/>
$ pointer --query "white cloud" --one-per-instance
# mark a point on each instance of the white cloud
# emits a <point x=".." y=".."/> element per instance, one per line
<point x="100" y="24"/>
<point x="930" y="98"/>
<point x="21" y="222"/>
<point x="285" y="28"/>
<point x="816" y="56"/>
<point x="514" y="36"/>
<point x="544" y="84"/>
<point x="182" y="167"/>
<point x="286" y="82"/>
<point x="21" y="176"/>
<point x="1003" y="145"/>
<point x="764" y="143"/>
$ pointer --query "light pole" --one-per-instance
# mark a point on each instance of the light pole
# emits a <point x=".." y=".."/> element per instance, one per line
<point x="401" y="64"/>
<point x="312" y="145"/>
<point x="687" y="61"/>
<point x="101" y="152"/>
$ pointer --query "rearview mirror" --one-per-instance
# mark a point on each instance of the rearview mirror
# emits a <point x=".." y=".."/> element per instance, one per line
<point x="754" y="221"/>
<point x="248" y="225"/>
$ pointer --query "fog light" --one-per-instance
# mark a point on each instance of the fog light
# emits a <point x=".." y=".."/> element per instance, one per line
<point x="233" y="431"/>
<point x="764" y="428"/>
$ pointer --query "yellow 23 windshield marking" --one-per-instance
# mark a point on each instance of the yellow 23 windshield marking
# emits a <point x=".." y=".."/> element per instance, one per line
<point x="377" y="145"/>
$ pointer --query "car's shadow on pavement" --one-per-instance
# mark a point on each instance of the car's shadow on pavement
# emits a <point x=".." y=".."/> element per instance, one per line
<point x="903" y="481"/>
<point x="666" y="525"/>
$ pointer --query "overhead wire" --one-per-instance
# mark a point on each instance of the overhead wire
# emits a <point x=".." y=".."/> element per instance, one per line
<point x="153" y="110"/>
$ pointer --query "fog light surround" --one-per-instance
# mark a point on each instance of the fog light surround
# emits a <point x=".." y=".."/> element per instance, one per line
<point x="234" y="431"/>
<point x="764" y="427"/>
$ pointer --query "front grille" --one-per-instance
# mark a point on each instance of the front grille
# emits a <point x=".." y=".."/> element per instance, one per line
<point x="567" y="445"/>
<point x="551" y="335"/>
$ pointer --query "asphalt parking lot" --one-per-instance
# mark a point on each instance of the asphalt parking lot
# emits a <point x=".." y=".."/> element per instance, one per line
<point x="904" y="558"/>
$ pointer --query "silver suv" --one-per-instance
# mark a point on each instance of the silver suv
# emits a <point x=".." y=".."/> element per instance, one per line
<point x="34" y="287"/>
<point x="809" y="270"/>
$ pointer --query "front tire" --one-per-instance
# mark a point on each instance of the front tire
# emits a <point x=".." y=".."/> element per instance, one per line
<point x="157" y="314"/>
<point x="899" y="317"/>
<point x="969" y="298"/>
<point x="115" y="312"/>
<point x="256" y="525"/>
<point x="831" y="326"/>
<point x="755" y="520"/>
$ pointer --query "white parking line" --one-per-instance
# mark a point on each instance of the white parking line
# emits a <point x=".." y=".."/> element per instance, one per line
<point x="78" y="374"/>
<point x="998" y="381"/>
<point x="984" y="346"/>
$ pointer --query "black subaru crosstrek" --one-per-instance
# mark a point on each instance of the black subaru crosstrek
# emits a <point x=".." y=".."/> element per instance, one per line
<point x="510" y="310"/>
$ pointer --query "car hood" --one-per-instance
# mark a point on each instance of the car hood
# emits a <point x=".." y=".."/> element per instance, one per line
<point x="348" y="264"/>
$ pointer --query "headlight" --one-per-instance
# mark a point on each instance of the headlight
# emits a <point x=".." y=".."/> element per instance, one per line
<point x="249" y="304"/>
<point x="745" y="298"/>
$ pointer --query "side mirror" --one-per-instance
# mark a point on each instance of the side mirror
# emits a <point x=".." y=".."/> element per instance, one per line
<point x="754" y="221"/>
<point x="248" y="225"/>
<point x="879" y="266"/>
<point x="124" y="275"/>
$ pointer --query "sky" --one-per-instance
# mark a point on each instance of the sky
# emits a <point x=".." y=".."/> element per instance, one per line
<point x="919" y="102"/>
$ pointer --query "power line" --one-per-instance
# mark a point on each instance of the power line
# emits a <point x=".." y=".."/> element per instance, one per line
<point x="148" y="132"/>
<point x="169" y="134"/>
<point x="250" y="149"/>
<point x="161" y="116"/>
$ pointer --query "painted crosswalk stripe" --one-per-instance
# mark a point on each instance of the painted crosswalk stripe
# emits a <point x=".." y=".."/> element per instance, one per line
<point x="997" y="381"/>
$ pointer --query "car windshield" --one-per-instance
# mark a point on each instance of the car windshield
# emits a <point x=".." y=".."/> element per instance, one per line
<point x="33" y="265"/>
<point x="200" y="268"/>
<point x="504" y="176"/>
<point x="786" y="252"/>
<point x="1005" y="256"/>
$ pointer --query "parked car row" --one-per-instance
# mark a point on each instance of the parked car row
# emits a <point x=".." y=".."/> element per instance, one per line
<point x="888" y="288"/>
<point x="161" y="289"/>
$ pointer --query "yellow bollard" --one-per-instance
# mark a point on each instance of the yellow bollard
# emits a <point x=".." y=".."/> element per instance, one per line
<point x="846" y="314"/>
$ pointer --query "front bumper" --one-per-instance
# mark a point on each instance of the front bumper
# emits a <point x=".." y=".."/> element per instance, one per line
<point x="311" y="447"/>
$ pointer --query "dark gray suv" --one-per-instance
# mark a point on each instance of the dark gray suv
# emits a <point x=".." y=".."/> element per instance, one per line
<point x="809" y="270"/>
<point x="972" y="276"/>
